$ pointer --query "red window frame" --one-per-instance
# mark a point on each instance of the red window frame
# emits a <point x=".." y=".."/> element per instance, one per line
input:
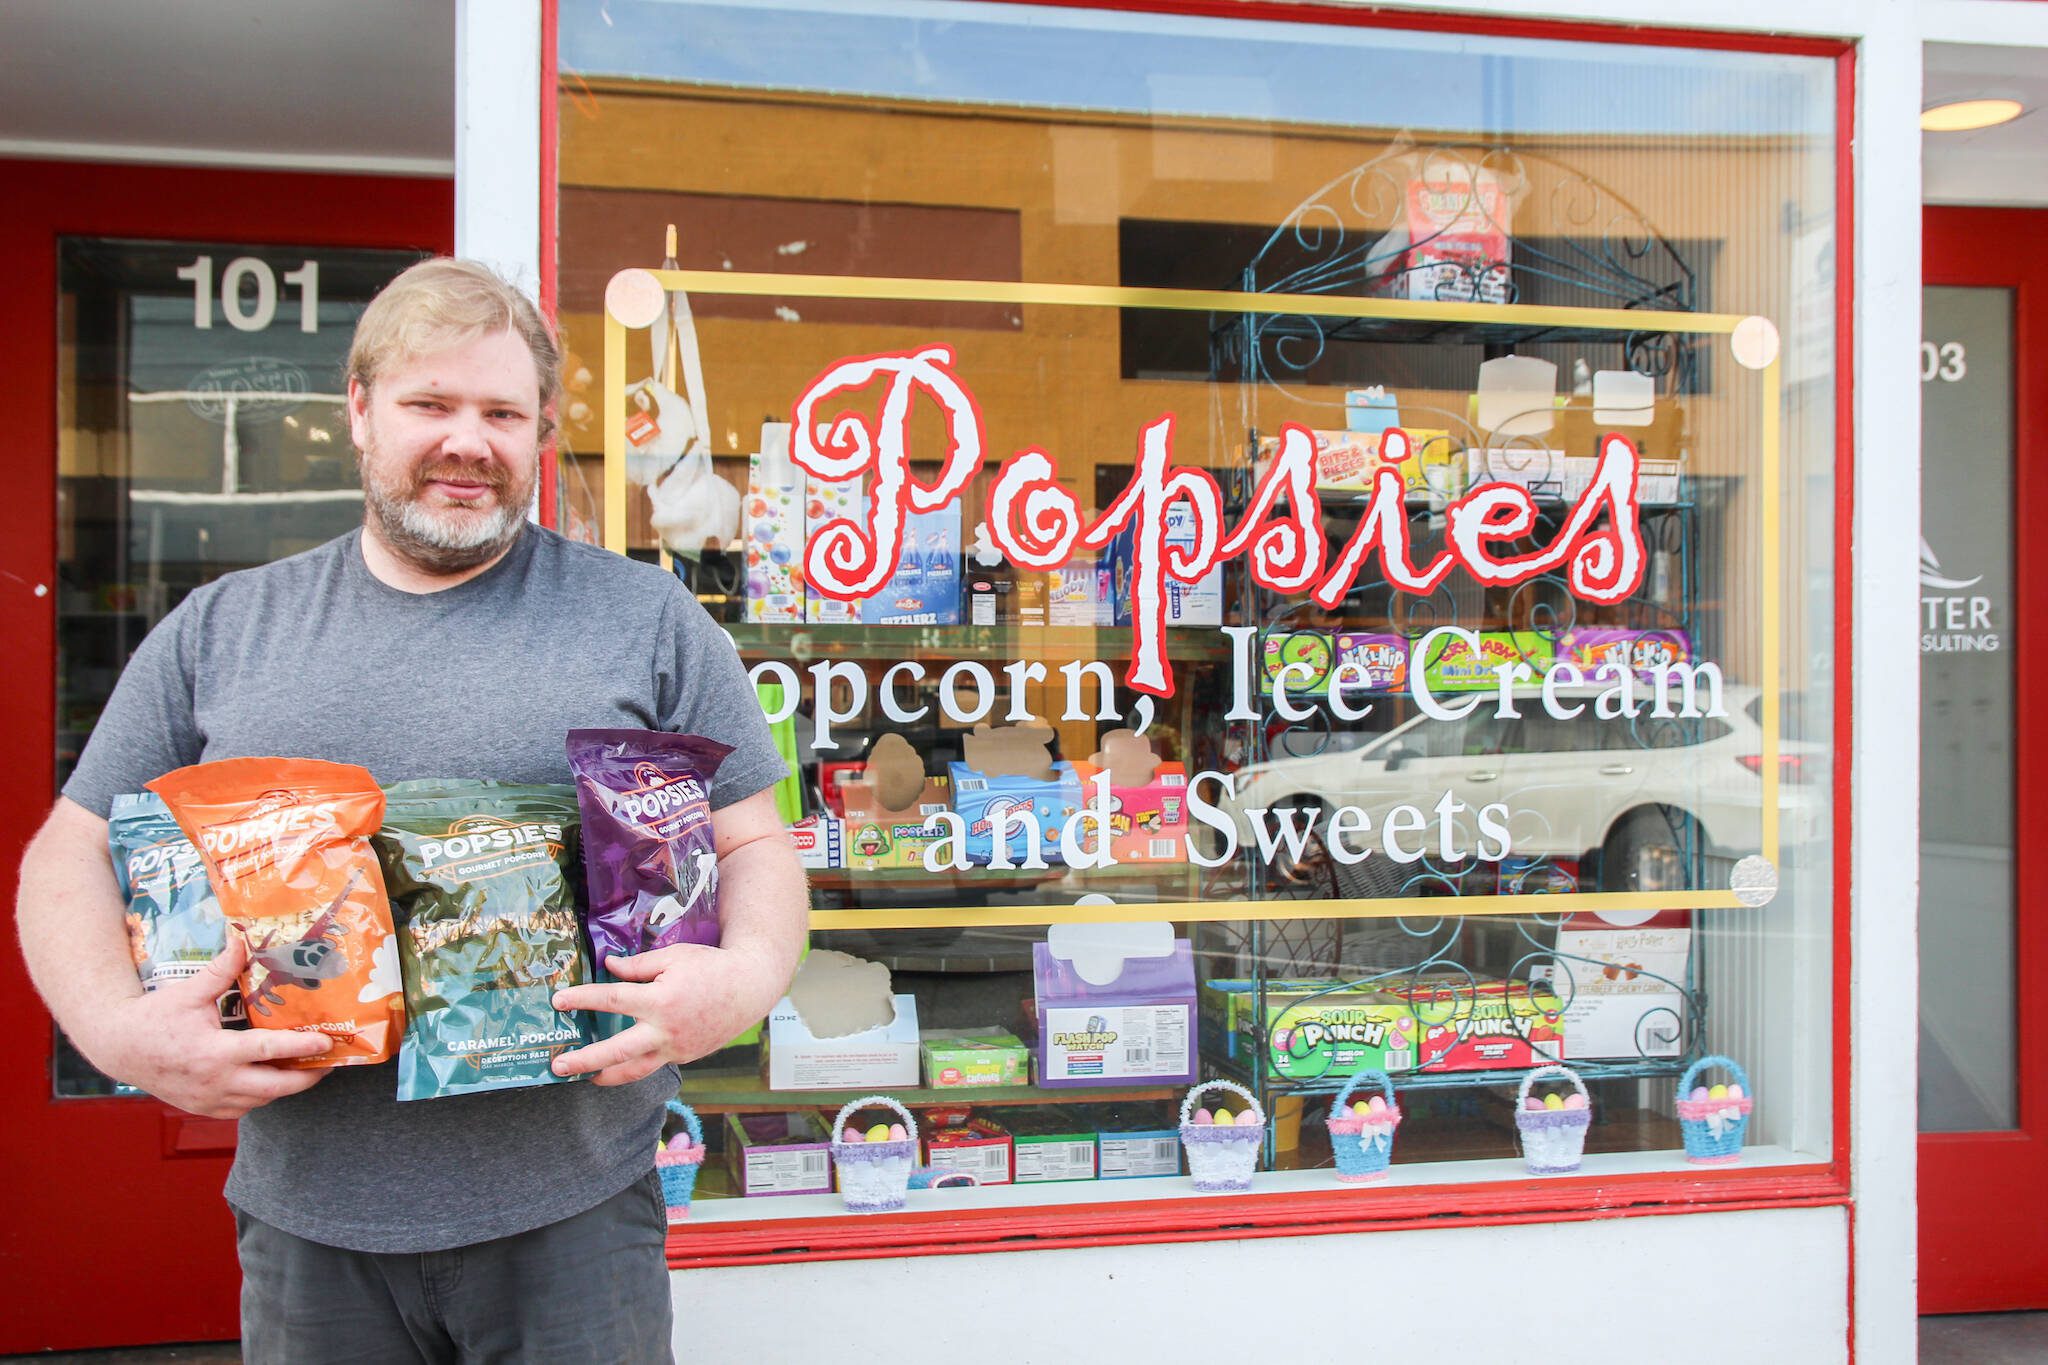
<point x="1555" y="1199"/>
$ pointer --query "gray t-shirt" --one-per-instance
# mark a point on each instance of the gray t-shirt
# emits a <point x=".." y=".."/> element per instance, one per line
<point x="314" y="657"/>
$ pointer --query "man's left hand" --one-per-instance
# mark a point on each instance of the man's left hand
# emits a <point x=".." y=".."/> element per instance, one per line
<point x="686" y="1001"/>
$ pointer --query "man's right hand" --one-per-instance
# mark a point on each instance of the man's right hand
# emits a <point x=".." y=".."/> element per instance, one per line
<point x="170" y="1043"/>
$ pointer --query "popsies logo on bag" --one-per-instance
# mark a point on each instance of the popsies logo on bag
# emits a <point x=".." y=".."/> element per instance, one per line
<point x="1039" y="524"/>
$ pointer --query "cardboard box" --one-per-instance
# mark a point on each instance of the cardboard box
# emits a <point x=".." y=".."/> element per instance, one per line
<point x="1624" y="991"/>
<point x="820" y="841"/>
<point x="1196" y="604"/>
<point x="1137" y="1143"/>
<point x="1008" y="774"/>
<point x="1225" y="999"/>
<point x="1541" y="471"/>
<point x="925" y="589"/>
<point x="874" y="1058"/>
<point x="1070" y="593"/>
<point x="1350" y="461"/>
<point x="1379" y="662"/>
<point x="1592" y="647"/>
<point x="1116" y="1004"/>
<point x="1456" y="668"/>
<point x="1487" y="1025"/>
<point x="980" y="1058"/>
<point x="1311" y="1036"/>
<point x="1537" y="876"/>
<point x="778" y="1153"/>
<point x="1148" y="818"/>
<point x="978" y="1147"/>
<point x="773" y="517"/>
<point x="889" y="808"/>
<point x="1051" y="1145"/>
<point x="824" y="503"/>
<point x="1456" y="238"/>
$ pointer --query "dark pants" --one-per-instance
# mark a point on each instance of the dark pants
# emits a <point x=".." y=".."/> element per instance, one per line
<point x="591" y="1288"/>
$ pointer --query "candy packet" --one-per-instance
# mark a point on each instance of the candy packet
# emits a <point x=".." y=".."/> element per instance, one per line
<point x="174" y="920"/>
<point x="647" y="847"/>
<point x="286" y="842"/>
<point x="486" y="907"/>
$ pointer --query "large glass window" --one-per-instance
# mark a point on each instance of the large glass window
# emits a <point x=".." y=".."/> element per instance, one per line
<point x="1280" y="550"/>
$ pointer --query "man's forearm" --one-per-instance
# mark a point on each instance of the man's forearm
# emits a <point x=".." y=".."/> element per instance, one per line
<point x="764" y="907"/>
<point x="71" y="920"/>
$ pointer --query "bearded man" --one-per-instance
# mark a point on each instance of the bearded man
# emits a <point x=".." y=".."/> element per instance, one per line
<point x="447" y="637"/>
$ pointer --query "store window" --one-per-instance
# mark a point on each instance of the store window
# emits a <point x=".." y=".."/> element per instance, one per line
<point x="1280" y="549"/>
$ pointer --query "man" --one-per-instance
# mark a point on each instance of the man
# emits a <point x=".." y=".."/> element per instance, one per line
<point x="447" y="637"/>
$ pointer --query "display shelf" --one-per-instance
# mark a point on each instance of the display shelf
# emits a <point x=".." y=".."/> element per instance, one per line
<point x="771" y="640"/>
<point x="1589" y="1071"/>
<point x="747" y="1093"/>
<point x="851" y="879"/>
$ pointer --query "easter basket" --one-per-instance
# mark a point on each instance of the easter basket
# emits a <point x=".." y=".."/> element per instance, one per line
<point x="1713" y="1129"/>
<point x="1222" y="1156"/>
<point x="874" y="1177"/>
<point x="1553" y="1140"/>
<point x="1364" y="1143"/>
<point x="678" y="1161"/>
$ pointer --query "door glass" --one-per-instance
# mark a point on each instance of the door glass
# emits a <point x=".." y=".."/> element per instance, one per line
<point x="201" y="428"/>
<point x="1967" y="1022"/>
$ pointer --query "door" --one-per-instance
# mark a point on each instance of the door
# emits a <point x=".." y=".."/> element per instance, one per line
<point x="1983" y="1083"/>
<point x="170" y="358"/>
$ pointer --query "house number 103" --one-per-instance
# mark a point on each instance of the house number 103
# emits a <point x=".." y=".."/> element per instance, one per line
<point x="248" y="293"/>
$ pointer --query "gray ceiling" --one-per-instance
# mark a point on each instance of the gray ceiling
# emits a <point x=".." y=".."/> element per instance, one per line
<point x="2003" y="165"/>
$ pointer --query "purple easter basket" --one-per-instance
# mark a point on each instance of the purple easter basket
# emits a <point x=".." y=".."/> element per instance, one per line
<point x="1363" y="1143"/>
<point x="874" y="1177"/>
<point x="1553" y="1140"/>
<point x="678" y="1162"/>
<point x="1713" y="1129"/>
<point x="1222" y="1158"/>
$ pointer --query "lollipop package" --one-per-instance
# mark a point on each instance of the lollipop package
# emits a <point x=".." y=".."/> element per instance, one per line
<point x="286" y="842"/>
<point x="647" y="845"/>
<point x="485" y="902"/>
<point x="174" y="920"/>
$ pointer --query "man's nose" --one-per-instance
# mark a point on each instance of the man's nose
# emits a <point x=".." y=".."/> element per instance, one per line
<point x="465" y="437"/>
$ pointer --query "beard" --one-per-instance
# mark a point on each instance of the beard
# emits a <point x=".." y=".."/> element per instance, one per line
<point x="446" y="539"/>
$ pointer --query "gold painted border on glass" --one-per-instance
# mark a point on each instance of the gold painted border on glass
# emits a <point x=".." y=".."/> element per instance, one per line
<point x="762" y="284"/>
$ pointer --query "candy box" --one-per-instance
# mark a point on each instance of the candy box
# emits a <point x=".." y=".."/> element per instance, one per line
<point x="1453" y="239"/>
<point x="820" y="841"/>
<point x="1540" y="471"/>
<point x="1225" y="999"/>
<point x="778" y="1153"/>
<point x="1116" y="1004"/>
<point x="1148" y="818"/>
<point x="1137" y="1141"/>
<point x="1455" y="667"/>
<point x="1372" y="662"/>
<point x="954" y="1058"/>
<point x="1070" y="593"/>
<point x="773" y="534"/>
<point x="1644" y="651"/>
<point x="1008" y="777"/>
<point x="889" y="808"/>
<point x="979" y="1147"/>
<point x="1519" y="876"/>
<point x="1483" y="1025"/>
<point x="925" y="589"/>
<point x="872" y="1058"/>
<point x="1310" y="1036"/>
<point x="1050" y="1145"/>
<point x="1622" y="986"/>
<point x="827" y="501"/>
<point x="1187" y="604"/>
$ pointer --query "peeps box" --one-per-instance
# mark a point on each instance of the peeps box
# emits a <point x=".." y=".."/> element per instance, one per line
<point x="876" y="1058"/>
<point x="1135" y="1142"/>
<point x="1050" y="1145"/>
<point x="1116" y="1004"/>
<point x="925" y="589"/>
<point x="1593" y="647"/>
<point x="772" y="514"/>
<point x="1483" y="1025"/>
<point x="1622" y="976"/>
<point x="1455" y="666"/>
<point x="778" y="1153"/>
<point x="889" y="808"/>
<point x="979" y="1147"/>
<point x="981" y="1057"/>
<point x="1187" y="604"/>
<point x="1009" y="778"/>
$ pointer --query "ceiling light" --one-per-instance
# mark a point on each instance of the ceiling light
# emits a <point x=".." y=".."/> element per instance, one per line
<point x="1963" y="116"/>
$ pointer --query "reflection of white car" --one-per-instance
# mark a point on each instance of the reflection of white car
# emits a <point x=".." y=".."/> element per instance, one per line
<point x="1625" y="794"/>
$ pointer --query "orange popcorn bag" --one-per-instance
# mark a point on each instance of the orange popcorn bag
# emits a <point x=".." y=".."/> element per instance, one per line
<point x="286" y="843"/>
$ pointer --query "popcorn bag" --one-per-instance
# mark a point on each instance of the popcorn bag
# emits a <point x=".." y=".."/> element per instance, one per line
<point x="286" y="842"/>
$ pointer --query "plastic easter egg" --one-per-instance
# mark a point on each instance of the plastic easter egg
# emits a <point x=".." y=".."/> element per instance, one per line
<point x="879" y="1133"/>
<point x="1575" y="1101"/>
<point x="1734" y="1092"/>
<point x="1248" y="1119"/>
<point x="1553" y="1101"/>
<point x="1204" y="1116"/>
<point x="1533" y="1104"/>
<point x="852" y="1134"/>
<point x="1361" y="1107"/>
<point x="1699" y="1092"/>
<point x="1223" y="1118"/>
<point x="1719" y="1092"/>
<point x="1376" y="1105"/>
<point x="897" y="1134"/>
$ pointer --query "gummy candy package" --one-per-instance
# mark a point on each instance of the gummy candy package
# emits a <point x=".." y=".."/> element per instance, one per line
<point x="485" y="902"/>
<point x="286" y="842"/>
<point x="174" y="920"/>
<point x="647" y="850"/>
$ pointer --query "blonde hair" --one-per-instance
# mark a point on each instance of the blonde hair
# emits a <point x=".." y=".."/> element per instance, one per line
<point x="443" y="302"/>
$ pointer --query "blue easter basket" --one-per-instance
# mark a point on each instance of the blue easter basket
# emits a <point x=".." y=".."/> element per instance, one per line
<point x="1363" y="1143"/>
<point x="1713" y="1129"/>
<point x="678" y="1162"/>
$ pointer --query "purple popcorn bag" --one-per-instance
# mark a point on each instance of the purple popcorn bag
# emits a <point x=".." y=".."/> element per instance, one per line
<point x="648" y="857"/>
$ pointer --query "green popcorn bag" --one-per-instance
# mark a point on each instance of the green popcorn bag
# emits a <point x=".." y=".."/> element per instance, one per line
<point x="483" y="889"/>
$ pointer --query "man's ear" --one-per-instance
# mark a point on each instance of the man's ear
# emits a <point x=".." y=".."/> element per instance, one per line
<point x="358" y="413"/>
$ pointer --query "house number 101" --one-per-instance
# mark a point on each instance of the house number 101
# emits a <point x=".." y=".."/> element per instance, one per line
<point x="244" y="312"/>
